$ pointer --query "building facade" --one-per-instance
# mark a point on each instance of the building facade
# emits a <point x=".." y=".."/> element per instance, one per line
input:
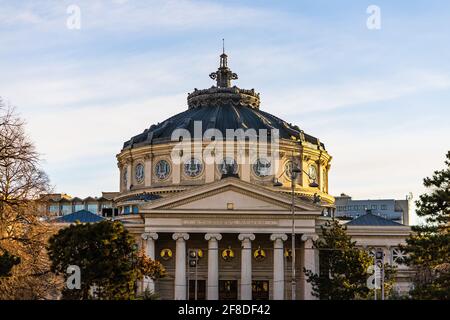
<point x="249" y="206"/>
<point x="395" y="210"/>
<point x="62" y="204"/>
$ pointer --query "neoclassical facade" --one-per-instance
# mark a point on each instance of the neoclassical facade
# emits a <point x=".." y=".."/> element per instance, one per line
<point x="185" y="187"/>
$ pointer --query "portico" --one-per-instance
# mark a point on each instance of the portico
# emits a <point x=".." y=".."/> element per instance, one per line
<point x="256" y="240"/>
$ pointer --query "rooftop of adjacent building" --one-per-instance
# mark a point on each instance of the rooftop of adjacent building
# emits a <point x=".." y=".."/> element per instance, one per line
<point x="57" y="197"/>
<point x="370" y="219"/>
<point x="391" y="209"/>
<point x="82" y="216"/>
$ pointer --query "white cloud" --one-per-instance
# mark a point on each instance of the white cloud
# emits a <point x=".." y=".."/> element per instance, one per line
<point x="122" y="15"/>
<point x="356" y="91"/>
<point x="71" y="135"/>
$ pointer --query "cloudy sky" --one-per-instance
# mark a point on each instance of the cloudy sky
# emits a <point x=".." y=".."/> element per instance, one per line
<point x="378" y="98"/>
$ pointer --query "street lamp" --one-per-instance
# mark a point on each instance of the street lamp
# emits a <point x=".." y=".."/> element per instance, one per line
<point x="313" y="184"/>
<point x="379" y="272"/>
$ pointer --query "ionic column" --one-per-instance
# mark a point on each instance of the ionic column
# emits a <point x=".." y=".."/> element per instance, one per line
<point x="213" y="265"/>
<point x="278" y="265"/>
<point x="310" y="262"/>
<point x="246" y="265"/>
<point x="180" y="265"/>
<point x="149" y="238"/>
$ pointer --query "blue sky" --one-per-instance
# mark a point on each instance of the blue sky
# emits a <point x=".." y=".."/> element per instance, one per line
<point x="378" y="99"/>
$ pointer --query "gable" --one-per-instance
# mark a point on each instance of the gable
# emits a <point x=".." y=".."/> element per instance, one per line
<point x="234" y="198"/>
<point x="232" y="192"/>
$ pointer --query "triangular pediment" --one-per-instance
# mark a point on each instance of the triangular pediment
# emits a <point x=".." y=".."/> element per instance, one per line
<point x="230" y="194"/>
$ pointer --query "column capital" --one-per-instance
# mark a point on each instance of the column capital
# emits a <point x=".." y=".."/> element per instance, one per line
<point x="309" y="236"/>
<point x="249" y="236"/>
<point x="216" y="236"/>
<point x="149" y="236"/>
<point x="276" y="236"/>
<point x="180" y="236"/>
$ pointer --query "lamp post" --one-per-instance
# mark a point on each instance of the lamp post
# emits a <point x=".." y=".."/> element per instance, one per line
<point x="293" y="175"/>
<point x="193" y="263"/>
<point x="379" y="272"/>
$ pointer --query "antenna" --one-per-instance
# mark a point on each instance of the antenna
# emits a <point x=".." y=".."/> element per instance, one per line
<point x="223" y="45"/>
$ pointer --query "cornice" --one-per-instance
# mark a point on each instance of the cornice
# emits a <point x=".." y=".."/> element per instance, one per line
<point x="187" y="214"/>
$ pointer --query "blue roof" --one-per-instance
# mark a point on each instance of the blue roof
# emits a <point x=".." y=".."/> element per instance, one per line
<point x="370" y="219"/>
<point x="83" y="216"/>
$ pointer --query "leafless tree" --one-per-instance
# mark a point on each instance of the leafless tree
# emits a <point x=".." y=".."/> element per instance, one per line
<point x="23" y="227"/>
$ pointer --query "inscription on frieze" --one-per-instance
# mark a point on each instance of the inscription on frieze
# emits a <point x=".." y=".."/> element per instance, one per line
<point x="230" y="222"/>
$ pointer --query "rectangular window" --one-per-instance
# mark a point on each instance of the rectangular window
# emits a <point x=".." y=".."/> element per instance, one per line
<point x="374" y="207"/>
<point x="200" y="287"/>
<point x="126" y="210"/>
<point x="66" y="209"/>
<point x="260" y="290"/>
<point x="92" y="208"/>
<point x="54" y="208"/>
<point x="383" y="207"/>
<point x="228" y="289"/>
<point x="135" y="209"/>
<point x="79" y="207"/>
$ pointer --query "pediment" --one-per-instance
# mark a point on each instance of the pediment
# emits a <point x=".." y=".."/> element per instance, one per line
<point x="230" y="194"/>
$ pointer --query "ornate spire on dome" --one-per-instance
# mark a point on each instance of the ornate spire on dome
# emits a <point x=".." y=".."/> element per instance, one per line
<point x="223" y="75"/>
<point x="223" y="93"/>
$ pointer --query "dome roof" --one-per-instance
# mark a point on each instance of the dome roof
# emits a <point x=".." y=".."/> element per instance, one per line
<point x="221" y="117"/>
<point x="220" y="107"/>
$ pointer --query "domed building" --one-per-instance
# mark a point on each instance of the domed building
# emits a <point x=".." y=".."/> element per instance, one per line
<point x="216" y="193"/>
<point x="146" y="168"/>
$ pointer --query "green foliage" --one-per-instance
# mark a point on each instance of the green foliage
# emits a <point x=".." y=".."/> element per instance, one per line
<point x="343" y="267"/>
<point x="7" y="262"/>
<point x="107" y="257"/>
<point x="428" y="248"/>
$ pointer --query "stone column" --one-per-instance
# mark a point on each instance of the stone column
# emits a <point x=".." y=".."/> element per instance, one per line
<point x="148" y="171"/>
<point x="149" y="238"/>
<point x="246" y="265"/>
<point x="213" y="265"/>
<point x="129" y="175"/>
<point x="176" y="172"/>
<point x="180" y="265"/>
<point x="278" y="265"/>
<point x="310" y="262"/>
